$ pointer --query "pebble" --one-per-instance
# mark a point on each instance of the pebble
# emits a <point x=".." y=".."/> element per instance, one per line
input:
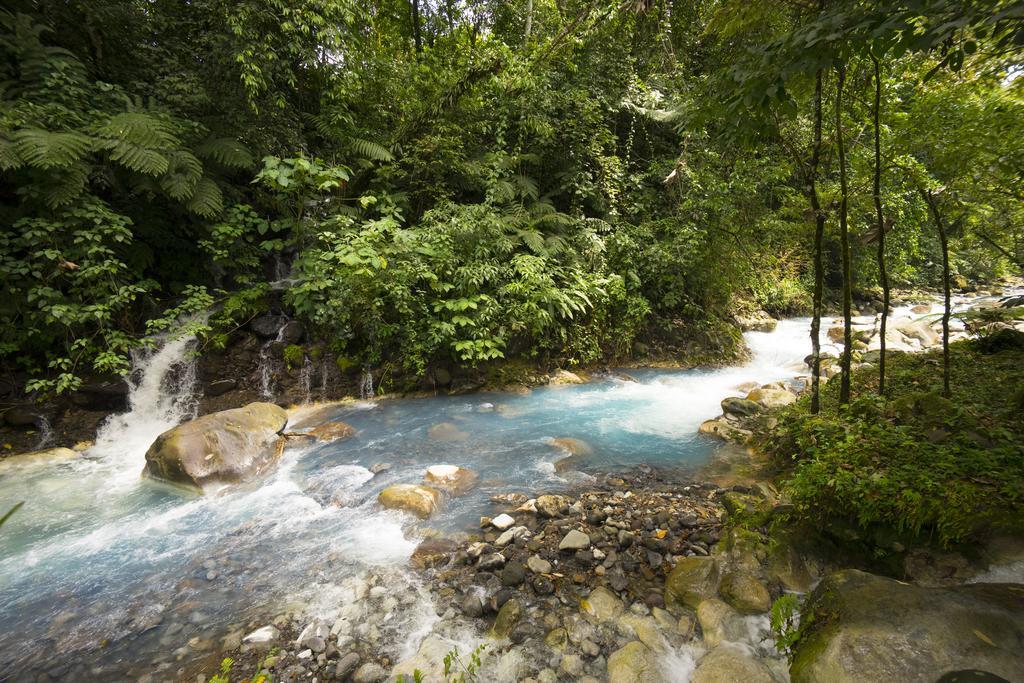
<point x="574" y="540"/>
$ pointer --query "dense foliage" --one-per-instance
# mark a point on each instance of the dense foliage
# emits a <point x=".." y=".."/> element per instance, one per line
<point x="461" y="182"/>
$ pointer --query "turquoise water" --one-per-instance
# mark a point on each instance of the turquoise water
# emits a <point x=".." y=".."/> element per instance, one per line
<point x="106" y="576"/>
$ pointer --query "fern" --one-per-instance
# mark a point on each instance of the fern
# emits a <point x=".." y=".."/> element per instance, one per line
<point x="207" y="200"/>
<point x="138" y="141"/>
<point x="49" y="149"/>
<point x="370" y="150"/>
<point x="183" y="174"/>
<point x="10" y="160"/>
<point x="65" y="185"/>
<point x="226" y="152"/>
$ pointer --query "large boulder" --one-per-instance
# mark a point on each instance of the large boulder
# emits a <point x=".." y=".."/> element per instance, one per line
<point x="102" y="394"/>
<point x="634" y="663"/>
<point x="868" y="628"/>
<point x="724" y="429"/>
<point x="692" y="580"/>
<point x="219" y="448"/>
<point x="331" y="431"/>
<point x="739" y="407"/>
<point x="771" y="398"/>
<point x="421" y="501"/>
<point x="572" y="445"/>
<point x="451" y="478"/>
<point x="745" y="592"/>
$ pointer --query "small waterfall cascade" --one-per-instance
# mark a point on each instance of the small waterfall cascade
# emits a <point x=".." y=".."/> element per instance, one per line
<point x="306" y="380"/>
<point x="268" y="366"/>
<point x="366" y="385"/>
<point x="324" y="368"/>
<point x="162" y="394"/>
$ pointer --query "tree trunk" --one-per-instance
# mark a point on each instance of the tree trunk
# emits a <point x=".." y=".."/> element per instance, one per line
<point x="417" y="36"/>
<point x="933" y="206"/>
<point x="883" y="274"/>
<point x="819" y="232"/>
<point x="844" y="242"/>
<point x="529" y="19"/>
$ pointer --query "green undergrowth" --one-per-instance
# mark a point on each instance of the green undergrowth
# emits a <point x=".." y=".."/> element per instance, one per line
<point x="913" y="466"/>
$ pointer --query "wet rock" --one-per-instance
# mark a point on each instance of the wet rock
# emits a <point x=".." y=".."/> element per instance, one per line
<point x="572" y="666"/>
<point x="102" y="394"/>
<point x="380" y="467"/>
<point x="491" y="562"/>
<point x="472" y="606"/>
<point x="506" y="620"/>
<point x="219" y="387"/>
<point x="451" y="479"/>
<point x="691" y="581"/>
<point x="446" y="431"/>
<point x="509" y="498"/>
<point x="264" y="636"/>
<point x="433" y="552"/>
<point x="877" y="629"/>
<point x="551" y="506"/>
<point x="513" y="574"/>
<point x="223" y="447"/>
<point x="47" y="455"/>
<point x="512" y="535"/>
<point x="634" y="663"/>
<point x="758" y="321"/>
<point x="543" y="585"/>
<point x="573" y="446"/>
<point x="267" y="326"/>
<point x="602" y="605"/>
<point x="557" y="639"/>
<point x="740" y="407"/>
<point x="745" y="592"/>
<point x="729" y="664"/>
<point x="24" y="416"/>
<point x="421" y="501"/>
<point x="771" y="398"/>
<point x="574" y="540"/>
<point x="723" y="429"/>
<point x="346" y="665"/>
<point x="502" y="522"/>
<point x="371" y="672"/>
<point x="564" y="377"/>
<point x="719" y="622"/>
<point x="331" y="431"/>
<point x="292" y="332"/>
<point x="428" y="661"/>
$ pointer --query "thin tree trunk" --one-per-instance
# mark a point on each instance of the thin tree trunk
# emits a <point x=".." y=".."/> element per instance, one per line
<point x="883" y="274"/>
<point x="946" y="311"/>
<point x="414" y="6"/>
<point x="844" y="242"/>
<point x="529" y="19"/>
<point x="819" y="232"/>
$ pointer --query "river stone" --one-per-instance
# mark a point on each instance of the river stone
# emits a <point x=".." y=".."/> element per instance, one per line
<point x="508" y="617"/>
<point x="743" y="591"/>
<point x="538" y="565"/>
<point x="433" y="552"/>
<point x="771" y="398"/>
<point x="730" y="664"/>
<point x="646" y="631"/>
<point x="723" y="429"/>
<point x="421" y="501"/>
<point x="870" y="628"/>
<point x="331" y="431"/>
<point x="371" y="672"/>
<point x="568" y="464"/>
<point x="920" y="330"/>
<point x="47" y="456"/>
<point x="563" y="377"/>
<point x="691" y="581"/>
<point x="451" y="478"/>
<point x="719" y="622"/>
<point x="550" y="506"/>
<point x="446" y="431"/>
<point x="223" y="447"/>
<point x="634" y="663"/>
<point x="502" y="522"/>
<point x="602" y="605"/>
<point x="428" y="660"/>
<point x="262" y="636"/>
<point x="739" y="406"/>
<point x="575" y="540"/>
<point x="573" y="446"/>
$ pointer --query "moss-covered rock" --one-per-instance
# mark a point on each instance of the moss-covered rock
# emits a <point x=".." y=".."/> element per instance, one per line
<point x="691" y="581"/>
<point x="861" y="627"/>
<point x="730" y="664"/>
<point x="634" y="663"/>
<point x="219" y="448"/>
<point x="421" y="501"/>
<point x="745" y="592"/>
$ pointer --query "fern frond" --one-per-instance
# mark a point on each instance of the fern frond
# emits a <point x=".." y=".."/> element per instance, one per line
<point x="226" y="152"/>
<point x="138" y="141"/>
<point x="49" y="149"/>
<point x="527" y="187"/>
<point x="10" y="160"/>
<point x="65" y="184"/>
<point x="370" y="150"/>
<point x="183" y="173"/>
<point x="207" y="200"/>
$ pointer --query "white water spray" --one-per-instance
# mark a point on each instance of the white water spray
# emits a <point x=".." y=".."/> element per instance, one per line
<point x="366" y="385"/>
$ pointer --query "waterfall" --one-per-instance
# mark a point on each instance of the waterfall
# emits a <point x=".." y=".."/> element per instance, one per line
<point x="161" y="396"/>
<point x="268" y="366"/>
<point x="366" y="385"/>
<point x="323" y="379"/>
<point x="306" y="380"/>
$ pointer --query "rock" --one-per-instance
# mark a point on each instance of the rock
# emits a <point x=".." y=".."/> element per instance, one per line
<point x="102" y="394"/>
<point x="730" y="664"/>
<point x="568" y="464"/>
<point x="24" y="416"/>
<point x="472" y="606"/>
<point x="502" y="522"/>
<point x="571" y="666"/>
<point x="47" y="456"/>
<point x="573" y="446"/>
<point x="759" y="321"/>
<point x="433" y="552"/>
<point x="442" y="377"/>
<point x="724" y="430"/>
<point x="267" y="326"/>
<point x="421" y="501"/>
<point x="740" y="407"/>
<point x="693" y="580"/>
<point x="646" y="631"/>
<point x="451" y="478"/>
<point x="870" y="628"/>
<point x="428" y="661"/>
<point x="262" y="636"/>
<point x="575" y="540"/>
<point x="508" y="617"/>
<point x="512" y="535"/>
<point x="380" y="467"/>
<point x="512" y="575"/>
<point x="602" y="605"/>
<point x="551" y="506"/>
<point x="218" y="387"/>
<point x="219" y="448"/>
<point x="509" y="498"/>
<point x="634" y="663"/>
<point x="771" y="398"/>
<point x="563" y="377"/>
<point x="490" y="562"/>
<point x="331" y="431"/>
<point x="719" y="622"/>
<point x="346" y="665"/>
<point x="371" y="672"/>
<point x="292" y="332"/>
<point x="920" y="330"/>
<point x="446" y="431"/>
<point x="538" y="565"/>
<point x="921" y="309"/>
